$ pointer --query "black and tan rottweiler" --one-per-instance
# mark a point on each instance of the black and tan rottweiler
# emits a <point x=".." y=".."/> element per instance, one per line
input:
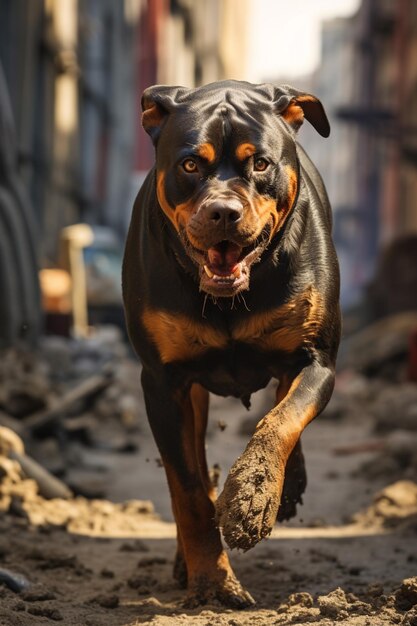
<point x="230" y="279"/>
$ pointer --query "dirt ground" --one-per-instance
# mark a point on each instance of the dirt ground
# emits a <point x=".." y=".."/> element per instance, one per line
<point x="349" y="557"/>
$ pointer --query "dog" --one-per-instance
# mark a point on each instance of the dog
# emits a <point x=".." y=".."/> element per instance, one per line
<point x="230" y="279"/>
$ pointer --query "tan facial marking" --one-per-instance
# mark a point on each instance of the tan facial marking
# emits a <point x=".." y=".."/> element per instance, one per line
<point x="182" y="214"/>
<point x="245" y="150"/>
<point x="282" y="212"/>
<point x="160" y="192"/>
<point x="178" y="215"/>
<point x="292" y="186"/>
<point x="206" y="151"/>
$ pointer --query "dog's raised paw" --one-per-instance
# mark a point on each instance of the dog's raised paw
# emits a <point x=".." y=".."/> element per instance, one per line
<point x="247" y="508"/>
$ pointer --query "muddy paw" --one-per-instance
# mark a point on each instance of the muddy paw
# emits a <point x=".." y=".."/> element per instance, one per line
<point x="229" y="594"/>
<point x="247" y="508"/>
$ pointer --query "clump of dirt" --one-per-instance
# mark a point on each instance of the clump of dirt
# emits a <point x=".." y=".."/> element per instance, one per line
<point x="339" y="605"/>
<point x="406" y="596"/>
<point x="372" y="607"/>
<point x="20" y="497"/>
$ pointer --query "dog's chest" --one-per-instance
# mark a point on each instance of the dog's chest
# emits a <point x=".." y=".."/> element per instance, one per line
<point x="247" y="342"/>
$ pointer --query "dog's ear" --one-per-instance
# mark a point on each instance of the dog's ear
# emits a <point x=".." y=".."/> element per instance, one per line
<point x="294" y="106"/>
<point x="157" y="102"/>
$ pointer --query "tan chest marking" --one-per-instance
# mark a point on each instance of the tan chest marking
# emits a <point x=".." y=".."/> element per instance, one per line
<point x="179" y="338"/>
<point x="285" y="328"/>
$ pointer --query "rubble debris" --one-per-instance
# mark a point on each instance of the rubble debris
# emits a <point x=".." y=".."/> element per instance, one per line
<point x="49" y="486"/>
<point x="70" y="395"/>
<point x="397" y="458"/>
<point x="85" y="389"/>
<point x="393" y="287"/>
<point x="12" y="449"/>
<point x="394" y="506"/>
<point x="25" y="385"/>
<point x="77" y="515"/>
<point x="380" y="349"/>
<point x="21" y="496"/>
<point x="395" y="406"/>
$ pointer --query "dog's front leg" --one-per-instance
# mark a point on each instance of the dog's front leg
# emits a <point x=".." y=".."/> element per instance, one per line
<point x="247" y="508"/>
<point x="173" y="414"/>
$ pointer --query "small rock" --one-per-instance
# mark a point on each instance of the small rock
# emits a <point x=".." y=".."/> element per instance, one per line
<point x="108" y="602"/>
<point x="333" y="605"/>
<point x="37" y="594"/>
<point x="134" y="546"/>
<point x="302" y="598"/>
<point x="46" y="611"/>
<point x="107" y="573"/>
<point x="406" y="596"/>
<point x="155" y="560"/>
<point x="375" y="590"/>
<point x="137" y="581"/>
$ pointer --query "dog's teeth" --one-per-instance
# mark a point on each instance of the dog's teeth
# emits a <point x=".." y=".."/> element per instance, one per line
<point x="208" y="272"/>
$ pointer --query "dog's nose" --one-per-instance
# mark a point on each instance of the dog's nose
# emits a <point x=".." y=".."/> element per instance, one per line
<point x="225" y="212"/>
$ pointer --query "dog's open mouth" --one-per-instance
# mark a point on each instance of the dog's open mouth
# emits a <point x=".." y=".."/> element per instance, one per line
<point x="225" y="268"/>
<point x="223" y="261"/>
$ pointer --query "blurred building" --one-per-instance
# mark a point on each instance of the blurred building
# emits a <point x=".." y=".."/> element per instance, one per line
<point x="71" y="75"/>
<point x="192" y="43"/>
<point x="368" y="82"/>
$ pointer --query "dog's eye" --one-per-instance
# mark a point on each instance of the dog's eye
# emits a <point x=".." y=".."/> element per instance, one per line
<point x="260" y="165"/>
<point x="190" y="166"/>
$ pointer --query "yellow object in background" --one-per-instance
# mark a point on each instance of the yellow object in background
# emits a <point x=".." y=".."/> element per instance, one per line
<point x="56" y="290"/>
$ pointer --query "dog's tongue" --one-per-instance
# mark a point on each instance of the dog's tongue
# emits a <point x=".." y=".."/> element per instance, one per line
<point x="224" y="256"/>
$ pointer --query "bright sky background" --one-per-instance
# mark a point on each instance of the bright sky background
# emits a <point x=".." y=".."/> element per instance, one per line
<point x="284" y="35"/>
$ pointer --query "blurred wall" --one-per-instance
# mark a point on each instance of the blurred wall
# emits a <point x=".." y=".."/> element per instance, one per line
<point x="75" y="70"/>
<point x="368" y="81"/>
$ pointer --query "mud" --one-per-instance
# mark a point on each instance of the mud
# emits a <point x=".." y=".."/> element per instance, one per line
<point x="247" y="508"/>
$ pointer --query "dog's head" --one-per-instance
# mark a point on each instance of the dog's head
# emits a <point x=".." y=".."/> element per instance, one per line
<point x="227" y="170"/>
